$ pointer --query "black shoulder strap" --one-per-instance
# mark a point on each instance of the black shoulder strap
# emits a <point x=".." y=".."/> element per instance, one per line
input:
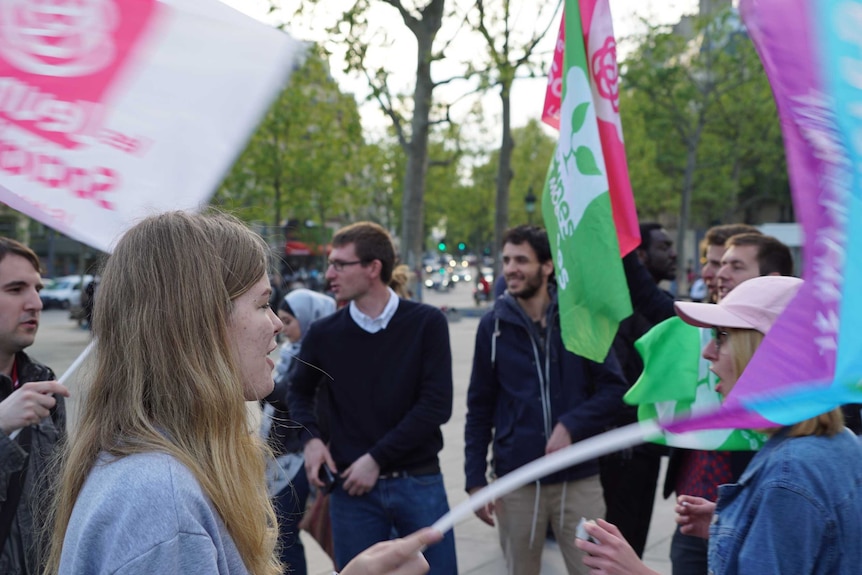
<point x="16" y="486"/>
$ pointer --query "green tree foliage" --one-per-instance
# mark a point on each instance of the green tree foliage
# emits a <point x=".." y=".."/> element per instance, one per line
<point x="510" y="52"/>
<point x="413" y="117"/>
<point x="447" y="199"/>
<point x="305" y="159"/>
<point x="377" y="194"/>
<point x="531" y="155"/>
<point x="656" y="192"/>
<point x="701" y="130"/>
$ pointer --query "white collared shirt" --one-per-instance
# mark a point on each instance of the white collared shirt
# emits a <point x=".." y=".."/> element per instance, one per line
<point x="375" y="324"/>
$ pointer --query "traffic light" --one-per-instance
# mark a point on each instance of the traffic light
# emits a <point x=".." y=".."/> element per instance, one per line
<point x="441" y="246"/>
<point x="462" y="246"/>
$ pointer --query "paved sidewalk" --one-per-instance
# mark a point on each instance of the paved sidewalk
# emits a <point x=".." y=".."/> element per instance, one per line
<point x="60" y="341"/>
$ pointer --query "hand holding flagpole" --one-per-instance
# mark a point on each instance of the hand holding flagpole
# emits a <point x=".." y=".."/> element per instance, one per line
<point x="608" y="442"/>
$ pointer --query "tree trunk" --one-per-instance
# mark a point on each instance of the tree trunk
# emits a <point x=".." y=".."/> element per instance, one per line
<point x="504" y="177"/>
<point x="685" y="205"/>
<point x="412" y="210"/>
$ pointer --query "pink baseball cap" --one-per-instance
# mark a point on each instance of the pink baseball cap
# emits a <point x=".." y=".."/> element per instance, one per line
<point x="753" y="304"/>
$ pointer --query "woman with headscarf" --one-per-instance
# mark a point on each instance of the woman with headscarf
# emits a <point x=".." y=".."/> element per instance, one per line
<point x="286" y="479"/>
<point x="797" y="508"/>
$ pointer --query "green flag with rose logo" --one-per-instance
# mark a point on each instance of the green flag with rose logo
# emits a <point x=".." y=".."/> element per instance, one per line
<point x="576" y="205"/>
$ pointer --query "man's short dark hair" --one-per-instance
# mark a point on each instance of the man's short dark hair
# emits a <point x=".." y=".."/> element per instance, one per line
<point x="772" y="255"/>
<point x="718" y="235"/>
<point x="646" y="229"/>
<point x="371" y="242"/>
<point x="10" y="246"/>
<point x="535" y="236"/>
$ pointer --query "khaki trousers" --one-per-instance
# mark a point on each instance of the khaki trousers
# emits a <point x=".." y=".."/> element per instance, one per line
<point x="520" y="520"/>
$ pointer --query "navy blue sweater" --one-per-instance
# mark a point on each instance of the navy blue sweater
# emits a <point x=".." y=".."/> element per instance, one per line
<point x="388" y="392"/>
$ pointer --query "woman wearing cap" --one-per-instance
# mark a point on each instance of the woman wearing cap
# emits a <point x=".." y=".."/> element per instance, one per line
<point x="798" y="506"/>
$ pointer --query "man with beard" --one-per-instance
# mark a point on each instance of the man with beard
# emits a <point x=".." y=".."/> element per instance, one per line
<point x="656" y="252"/>
<point x="534" y="397"/>
<point x="32" y="412"/>
<point x="629" y="477"/>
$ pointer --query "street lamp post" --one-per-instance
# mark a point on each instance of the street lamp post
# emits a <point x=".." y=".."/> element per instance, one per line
<point x="530" y="204"/>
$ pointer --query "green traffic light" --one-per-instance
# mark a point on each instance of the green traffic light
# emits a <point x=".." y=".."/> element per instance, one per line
<point x="461" y="246"/>
<point x="441" y="246"/>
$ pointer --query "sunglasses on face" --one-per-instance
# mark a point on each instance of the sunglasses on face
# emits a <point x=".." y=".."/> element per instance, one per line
<point x="719" y="336"/>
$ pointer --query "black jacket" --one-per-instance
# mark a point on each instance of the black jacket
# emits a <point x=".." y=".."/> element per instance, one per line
<point x="519" y="390"/>
<point x="20" y="556"/>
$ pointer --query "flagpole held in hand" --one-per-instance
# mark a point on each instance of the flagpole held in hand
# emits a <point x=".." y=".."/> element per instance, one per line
<point x="608" y="442"/>
<point x="77" y="363"/>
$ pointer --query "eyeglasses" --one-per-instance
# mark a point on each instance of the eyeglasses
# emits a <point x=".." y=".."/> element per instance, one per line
<point x="339" y="265"/>
<point x="719" y="336"/>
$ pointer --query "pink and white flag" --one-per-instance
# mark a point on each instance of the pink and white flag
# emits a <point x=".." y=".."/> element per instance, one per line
<point x="601" y="48"/>
<point x="111" y="110"/>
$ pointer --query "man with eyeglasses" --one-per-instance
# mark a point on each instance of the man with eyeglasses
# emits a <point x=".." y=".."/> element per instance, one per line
<point x="384" y="367"/>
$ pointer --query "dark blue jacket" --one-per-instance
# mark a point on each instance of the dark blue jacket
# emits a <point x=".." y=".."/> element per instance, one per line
<point x="522" y="393"/>
<point x="21" y="554"/>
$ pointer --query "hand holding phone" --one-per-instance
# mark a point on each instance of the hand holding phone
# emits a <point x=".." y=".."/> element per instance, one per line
<point x="581" y="531"/>
<point x="327" y="477"/>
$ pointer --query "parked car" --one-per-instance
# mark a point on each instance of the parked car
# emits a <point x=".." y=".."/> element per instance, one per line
<point x="461" y="276"/>
<point x="65" y="293"/>
<point x="440" y="280"/>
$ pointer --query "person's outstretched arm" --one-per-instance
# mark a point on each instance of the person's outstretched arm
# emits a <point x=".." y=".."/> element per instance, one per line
<point x="647" y="298"/>
<point x="395" y="557"/>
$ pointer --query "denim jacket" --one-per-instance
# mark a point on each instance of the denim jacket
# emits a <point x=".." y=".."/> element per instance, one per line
<point x="796" y="509"/>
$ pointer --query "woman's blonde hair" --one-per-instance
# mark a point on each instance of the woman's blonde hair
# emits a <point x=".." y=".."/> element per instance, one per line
<point x="400" y="281"/>
<point x="165" y="377"/>
<point x="743" y="343"/>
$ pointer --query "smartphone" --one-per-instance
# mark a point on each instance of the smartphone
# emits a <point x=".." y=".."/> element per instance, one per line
<point x="327" y="477"/>
<point x="581" y="532"/>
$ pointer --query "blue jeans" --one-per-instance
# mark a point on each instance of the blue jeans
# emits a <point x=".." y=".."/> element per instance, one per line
<point x="398" y="505"/>
<point x="289" y="507"/>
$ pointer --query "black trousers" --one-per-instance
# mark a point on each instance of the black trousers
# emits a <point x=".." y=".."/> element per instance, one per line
<point x="629" y="479"/>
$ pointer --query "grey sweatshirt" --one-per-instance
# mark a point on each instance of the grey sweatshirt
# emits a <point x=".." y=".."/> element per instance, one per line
<point x="146" y="514"/>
